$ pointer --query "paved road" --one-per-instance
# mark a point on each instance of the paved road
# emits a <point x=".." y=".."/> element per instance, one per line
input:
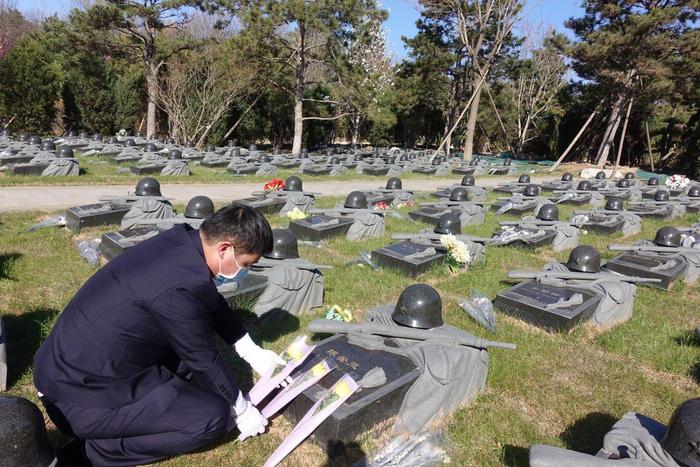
<point x="57" y="197"/>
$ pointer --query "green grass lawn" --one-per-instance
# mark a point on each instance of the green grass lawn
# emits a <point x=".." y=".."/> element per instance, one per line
<point x="98" y="171"/>
<point x="561" y="389"/>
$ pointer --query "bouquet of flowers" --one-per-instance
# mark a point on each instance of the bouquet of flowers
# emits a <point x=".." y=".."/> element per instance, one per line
<point x="296" y="214"/>
<point x="407" y="204"/>
<point x="340" y="391"/>
<point x="381" y="206"/>
<point x="677" y="182"/>
<point x="458" y="256"/>
<point x="339" y="314"/>
<point x="275" y="184"/>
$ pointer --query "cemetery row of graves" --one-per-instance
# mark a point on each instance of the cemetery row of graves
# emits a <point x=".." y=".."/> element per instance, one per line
<point x="569" y="347"/>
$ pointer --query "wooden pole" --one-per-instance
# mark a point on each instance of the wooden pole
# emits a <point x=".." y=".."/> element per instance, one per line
<point x="578" y="135"/>
<point x="622" y="136"/>
<point x="651" y="156"/>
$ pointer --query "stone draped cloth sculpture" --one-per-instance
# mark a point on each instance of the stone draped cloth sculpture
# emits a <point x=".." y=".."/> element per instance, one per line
<point x="147" y="208"/>
<point x="294" y="286"/>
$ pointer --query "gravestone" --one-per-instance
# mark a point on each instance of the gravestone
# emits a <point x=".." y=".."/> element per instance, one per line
<point x="376" y="170"/>
<point x="425" y="170"/>
<point x="29" y="169"/>
<point x="631" y="264"/>
<point x="398" y="256"/>
<point x="528" y="301"/>
<point x="519" y="208"/>
<point x="246" y="293"/>
<point x="263" y="205"/>
<point x="535" y="241"/>
<point x="602" y="224"/>
<point x="149" y="169"/>
<point x="317" y="170"/>
<point x="320" y="226"/>
<point x="430" y="214"/>
<point x="115" y="243"/>
<point x="499" y="170"/>
<point x="365" y="408"/>
<point x="577" y="200"/>
<point x="657" y="211"/>
<point x="245" y="169"/>
<point x="464" y="170"/>
<point x="23" y="434"/>
<point x="91" y="215"/>
<point x="216" y="163"/>
<point x="16" y="159"/>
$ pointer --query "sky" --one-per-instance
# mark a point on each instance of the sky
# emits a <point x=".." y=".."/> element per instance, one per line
<point x="402" y="15"/>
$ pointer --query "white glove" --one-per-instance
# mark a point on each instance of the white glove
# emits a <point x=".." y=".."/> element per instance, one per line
<point x="261" y="360"/>
<point x="249" y="420"/>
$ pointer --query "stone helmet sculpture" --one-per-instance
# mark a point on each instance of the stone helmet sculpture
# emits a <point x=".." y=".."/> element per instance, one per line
<point x="5" y="133"/>
<point x="567" y="177"/>
<point x="23" y="137"/>
<point x="615" y="203"/>
<point x="293" y="183"/>
<point x="629" y="176"/>
<point x="694" y="192"/>
<point x="139" y="134"/>
<point x="623" y="183"/>
<point x="524" y="178"/>
<point x="84" y="135"/>
<point x="653" y="181"/>
<point x="334" y="160"/>
<point x="275" y="151"/>
<point x="473" y="163"/>
<point x="65" y="153"/>
<point x="151" y="147"/>
<point x="419" y="306"/>
<point x="356" y="200"/>
<point x="129" y="143"/>
<point x="584" y="185"/>
<point x="584" y="258"/>
<point x="600" y="175"/>
<point x="304" y="153"/>
<point x="210" y="148"/>
<point x="468" y="180"/>
<point x="148" y="186"/>
<point x="48" y="145"/>
<point x="507" y="162"/>
<point x="394" y="183"/>
<point x="112" y="140"/>
<point x="199" y="207"/>
<point x="97" y="137"/>
<point x="263" y="159"/>
<point x="174" y="154"/>
<point x="459" y="194"/>
<point x="682" y="437"/>
<point x="253" y="147"/>
<point x="548" y="212"/>
<point x="668" y="236"/>
<point x="23" y="434"/>
<point x="661" y="195"/>
<point x="34" y="139"/>
<point x="531" y="190"/>
<point x="284" y="245"/>
<point x="190" y="144"/>
<point x="448" y="223"/>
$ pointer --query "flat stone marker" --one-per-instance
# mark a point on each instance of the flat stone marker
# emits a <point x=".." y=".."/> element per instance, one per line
<point x="604" y="225"/>
<point x="29" y="169"/>
<point x="315" y="228"/>
<point x="429" y="214"/>
<point x="395" y="256"/>
<point x="115" y="243"/>
<point x="91" y="215"/>
<point x="376" y="171"/>
<point x="528" y="301"/>
<point x="631" y="264"/>
<point x="263" y="205"/>
<point x="363" y="409"/>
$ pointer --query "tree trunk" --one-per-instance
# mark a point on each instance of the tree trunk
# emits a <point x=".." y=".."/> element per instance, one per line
<point x="471" y="124"/>
<point x="299" y="92"/>
<point x="356" y="122"/>
<point x="151" y="68"/>
<point x="610" y="131"/>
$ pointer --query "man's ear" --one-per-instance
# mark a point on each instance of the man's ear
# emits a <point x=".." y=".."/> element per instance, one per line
<point x="221" y="248"/>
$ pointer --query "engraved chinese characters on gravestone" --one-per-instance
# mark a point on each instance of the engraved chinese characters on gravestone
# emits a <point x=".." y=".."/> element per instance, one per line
<point x="410" y="258"/>
<point x="319" y="227"/>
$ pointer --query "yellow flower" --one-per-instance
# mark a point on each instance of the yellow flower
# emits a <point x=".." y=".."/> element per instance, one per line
<point x="342" y="389"/>
<point x="319" y="369"/>
<point x="296" y="214"/>
<point x="295" y="350"/>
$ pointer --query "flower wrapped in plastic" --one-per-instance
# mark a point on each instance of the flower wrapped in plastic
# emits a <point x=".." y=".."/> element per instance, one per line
<point x="458" y="256"/>
<point x="677" y="182"/>
<point x="339" y="314"/>
<point x="296" y="214"/>
<point x="405" y="205"/>
<point x="275" y="184"/>
<point x="381" y="206"/>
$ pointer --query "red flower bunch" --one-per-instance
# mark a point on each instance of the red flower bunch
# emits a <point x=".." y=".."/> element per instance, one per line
<point x="274" y="185"/>
<point x="381" y="206"/>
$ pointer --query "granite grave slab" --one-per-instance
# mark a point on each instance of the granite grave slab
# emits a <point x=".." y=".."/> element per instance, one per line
<point x="91" y="215"/>
<point x="395" y="256"/>
<point x="631" y="264"/>
<point x="314" y="228"/>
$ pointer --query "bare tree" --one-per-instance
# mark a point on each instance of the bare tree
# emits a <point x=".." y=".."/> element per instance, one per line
<point x="483" y="27"/>
<point x="534" y="91"/>
<point x="198" y="88"/>
<point x="13" y="25"/>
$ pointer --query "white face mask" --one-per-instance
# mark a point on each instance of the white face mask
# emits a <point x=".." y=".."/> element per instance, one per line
<point x="237" y="277"/>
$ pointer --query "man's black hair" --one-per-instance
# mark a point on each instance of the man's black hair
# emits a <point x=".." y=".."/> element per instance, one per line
<point x="246" y="228"/>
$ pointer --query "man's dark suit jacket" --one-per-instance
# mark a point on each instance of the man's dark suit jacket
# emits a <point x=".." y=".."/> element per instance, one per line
<point x="152" y="304"/>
